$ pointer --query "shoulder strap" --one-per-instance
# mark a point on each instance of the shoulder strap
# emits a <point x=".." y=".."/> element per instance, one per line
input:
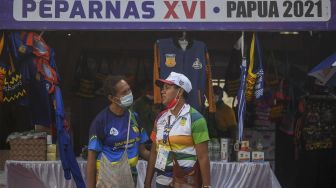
<point x="128" y="128"/>
<point x="134" y="118"/>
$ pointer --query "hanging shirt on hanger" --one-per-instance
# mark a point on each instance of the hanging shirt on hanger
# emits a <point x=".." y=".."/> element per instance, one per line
<point x="193" y="62"/>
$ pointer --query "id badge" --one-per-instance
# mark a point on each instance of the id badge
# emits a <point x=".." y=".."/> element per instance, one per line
<point x="161" y="158"/>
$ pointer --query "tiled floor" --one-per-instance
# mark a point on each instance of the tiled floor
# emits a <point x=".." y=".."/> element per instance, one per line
<point x="3" y="183"/>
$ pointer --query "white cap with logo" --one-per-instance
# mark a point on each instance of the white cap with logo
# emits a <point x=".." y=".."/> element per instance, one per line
<point x="177" y="79"/>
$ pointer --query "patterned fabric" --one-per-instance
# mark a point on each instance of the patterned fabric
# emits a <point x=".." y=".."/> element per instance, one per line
<point x="115" y="175"/>
<point x="108" y="135"/>
<point x="190" y="128"/>
<point x="250" y="77"/>
<point x="319" y="127"/>
<point x="255" y="74"/>
<point x="259" y="86"/>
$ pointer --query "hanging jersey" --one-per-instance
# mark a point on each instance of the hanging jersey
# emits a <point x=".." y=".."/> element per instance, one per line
<point x="190" y="62"/>
<point x="188" y="129"/>
<point x="193" y="62"/>
<point x="108" y="135"/>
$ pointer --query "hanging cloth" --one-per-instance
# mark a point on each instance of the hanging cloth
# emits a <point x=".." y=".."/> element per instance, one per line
<point x="255" y="80"/>
<point x="67" y="155"/>
<point x="116" y="175"/>
<point x="259" y="85"/>
<point x="13" y="88"/>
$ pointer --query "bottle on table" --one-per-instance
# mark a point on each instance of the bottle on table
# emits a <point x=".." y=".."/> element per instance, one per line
<point x="216" y="150"/>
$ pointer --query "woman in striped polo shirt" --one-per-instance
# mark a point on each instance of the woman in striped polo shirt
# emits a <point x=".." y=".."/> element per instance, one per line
<point x="180" y="131"/>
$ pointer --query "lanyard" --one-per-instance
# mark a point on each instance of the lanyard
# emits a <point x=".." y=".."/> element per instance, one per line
<point x="169" y="126"/>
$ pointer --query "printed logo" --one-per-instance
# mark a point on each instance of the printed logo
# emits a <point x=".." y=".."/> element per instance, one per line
<point x="114" y="131"/>
<point x="135" y="129"/>
<point x="197" y="64"/>
<point x="170" y="60"/>
<point x="181" y="83"/>
<point x="183" y="121"/>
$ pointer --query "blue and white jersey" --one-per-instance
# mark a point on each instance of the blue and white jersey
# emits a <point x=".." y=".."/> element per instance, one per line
<point x="108" y="135"/>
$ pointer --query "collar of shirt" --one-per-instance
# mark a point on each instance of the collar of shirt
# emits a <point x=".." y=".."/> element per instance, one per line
<point x="172" y="118"/>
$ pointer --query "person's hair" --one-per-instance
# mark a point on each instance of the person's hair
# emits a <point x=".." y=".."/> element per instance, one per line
<point x="185" y="94"/>
<point x="218" y="91"/>
<point x="110" y="83"/>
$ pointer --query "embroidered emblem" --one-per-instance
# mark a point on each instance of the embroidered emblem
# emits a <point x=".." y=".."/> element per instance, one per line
<point x="183" y="121"/>
<point x="114" y="131"/>
<point x="197" y="64"/>
<point x="170" y="60"/>
<point x="22" y="49"/>
<point x="181" y="83"/>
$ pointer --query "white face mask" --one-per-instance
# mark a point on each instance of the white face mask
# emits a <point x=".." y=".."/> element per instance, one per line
<point x="126" y="101"/>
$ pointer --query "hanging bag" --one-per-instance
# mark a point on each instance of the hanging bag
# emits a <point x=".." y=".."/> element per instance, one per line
<point x="182" y="179"/>
<point x="116" y="175"/>
<point x="13" y="86"/>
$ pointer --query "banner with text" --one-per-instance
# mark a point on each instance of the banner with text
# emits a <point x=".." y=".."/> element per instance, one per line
<point x="169" y="14"/>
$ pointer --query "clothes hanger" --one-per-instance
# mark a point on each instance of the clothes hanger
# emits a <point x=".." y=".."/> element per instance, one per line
<point x="184" y="36"/>
<point x="183" y="42"/>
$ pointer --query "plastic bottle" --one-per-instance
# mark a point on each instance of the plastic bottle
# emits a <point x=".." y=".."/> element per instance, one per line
<point x="259" y="145"/>
<point x="216" y="150"/>
<point x="210" y="150"/>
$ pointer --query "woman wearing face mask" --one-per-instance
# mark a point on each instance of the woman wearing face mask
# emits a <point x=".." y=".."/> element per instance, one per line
<point x="179" y="132"/>
<point x="116" y="139"/>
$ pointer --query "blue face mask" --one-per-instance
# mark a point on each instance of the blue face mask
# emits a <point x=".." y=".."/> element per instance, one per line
<point x="126" y="101"/>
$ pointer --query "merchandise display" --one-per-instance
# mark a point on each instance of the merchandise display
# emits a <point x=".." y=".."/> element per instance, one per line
<point x="260" y="107"/>
<point x="31" y="80"/>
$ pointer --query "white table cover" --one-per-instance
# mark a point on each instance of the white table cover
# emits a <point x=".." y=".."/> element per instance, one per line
<point x="49" y="174"/>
